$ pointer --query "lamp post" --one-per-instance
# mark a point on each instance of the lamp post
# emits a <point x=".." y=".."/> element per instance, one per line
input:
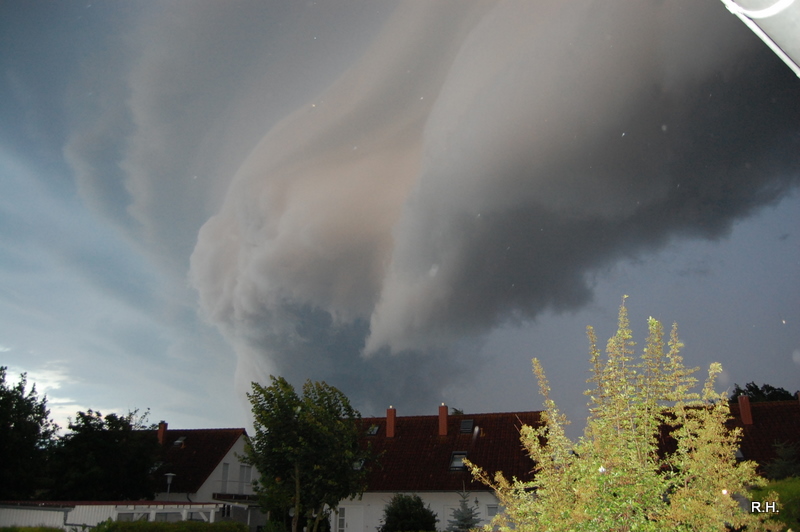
<point x="169" y="476"/>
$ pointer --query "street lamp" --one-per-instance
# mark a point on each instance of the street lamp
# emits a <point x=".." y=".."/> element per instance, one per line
<point x="169" y="476"/>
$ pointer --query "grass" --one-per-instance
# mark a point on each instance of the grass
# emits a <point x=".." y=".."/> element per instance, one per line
<point x="788" y="491"/>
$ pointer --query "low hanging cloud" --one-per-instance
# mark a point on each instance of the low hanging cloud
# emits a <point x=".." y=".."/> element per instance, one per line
<point x="477" y="165"/>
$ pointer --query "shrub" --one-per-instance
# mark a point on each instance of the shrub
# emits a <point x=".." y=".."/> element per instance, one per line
<point x="618" y="476"/>
<point x="465" y="517"/>
<point x="407" y="513"/>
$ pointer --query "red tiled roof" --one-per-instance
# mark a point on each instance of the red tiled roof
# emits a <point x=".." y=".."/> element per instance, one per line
<point x="773" y="421"/>
<point x="418" y="459"/>
<point x="195" y="459"/>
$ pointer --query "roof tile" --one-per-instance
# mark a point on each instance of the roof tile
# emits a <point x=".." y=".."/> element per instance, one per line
<point x="418" y="459"/>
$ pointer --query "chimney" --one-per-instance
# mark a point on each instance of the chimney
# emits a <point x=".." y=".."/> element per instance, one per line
<point x="744" y="410"/>
<point x="443" y="420"/>
<point x="391" y="413"/>
<point x="162" y="432"/>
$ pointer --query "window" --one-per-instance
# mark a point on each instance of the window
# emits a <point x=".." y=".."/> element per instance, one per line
<point x="340" y="522"/>
<point x="466" y="425"/>
<point x="358" y="465"/>
<point x="224" y="486"/>
<point x="372" y="430"/>
<point x="491" y="510"/>
<point x="245" y="477"/>
<point x="133" y="516"/>
<point x="457" y="461"/>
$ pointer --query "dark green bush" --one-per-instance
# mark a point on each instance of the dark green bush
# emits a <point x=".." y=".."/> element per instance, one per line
<point x="408" y="513"/>
<point x="274" y="526"/>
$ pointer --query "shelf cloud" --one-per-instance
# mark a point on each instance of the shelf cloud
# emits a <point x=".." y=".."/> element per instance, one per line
<point x="479" y="164"/>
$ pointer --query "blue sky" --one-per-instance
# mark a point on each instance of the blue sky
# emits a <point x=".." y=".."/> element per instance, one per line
<point x="407" y="200"/>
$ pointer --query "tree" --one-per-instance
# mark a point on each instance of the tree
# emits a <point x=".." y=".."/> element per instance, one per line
<point x="786" y="464"/>
<point x="762" y="394"/>
<point x="623" y="474"/>
<point x="105" y="458"/>
<point x="407" y="513"/>
<point x="465" y="517"/>
<point x="305" y="448"/>
<point x="26" y="433"/>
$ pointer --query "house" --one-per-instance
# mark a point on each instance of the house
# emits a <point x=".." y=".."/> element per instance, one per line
<point x="201" y="478"/>
<point x="763" y="424"/>
<point x="202" y="464"/>
<point x="424" y="455"/>
<point x="205" y="465"/>
<point x="73" y="515"/>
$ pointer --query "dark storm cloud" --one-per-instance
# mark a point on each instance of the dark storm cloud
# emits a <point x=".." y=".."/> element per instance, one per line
<point x="480" y="163"/>
<point x="705" y="160"/>
<point x="311" y="345"/>
<point x="554" y="165"/>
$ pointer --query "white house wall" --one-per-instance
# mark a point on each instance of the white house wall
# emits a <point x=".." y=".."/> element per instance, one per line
<point x="32" y="517"/>
<point x="214" y="484"/>
<point x="365" y="515"/>
<point x="90" y="515"/>
<point x="93" y="514"/>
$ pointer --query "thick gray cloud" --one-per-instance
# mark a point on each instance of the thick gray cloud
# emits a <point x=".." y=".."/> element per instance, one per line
<point x="477" y="165"/>
<point x="366" y="192"/>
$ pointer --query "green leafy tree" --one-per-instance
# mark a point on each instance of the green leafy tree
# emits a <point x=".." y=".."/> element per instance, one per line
<point x="408" y="513"/>
<point x="620" y="475"/>
<point x="759" y="395"/>
<point x="26" y="434"/>
<point x="306" y="449"/>
<point x="105" y="458"/>
<point x="465" y="517"/>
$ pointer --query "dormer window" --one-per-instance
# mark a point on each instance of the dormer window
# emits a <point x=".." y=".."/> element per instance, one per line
<point x="457" y="461"/>
<point x="466" y="425"/>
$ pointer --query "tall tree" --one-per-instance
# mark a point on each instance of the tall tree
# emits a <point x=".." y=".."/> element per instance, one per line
<point x="618" y="476"/>
<point x="759" y="395"/>
<point x="26" y="433"/>
<point x="306" y="449"/>
<point x="105" y="458"/>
